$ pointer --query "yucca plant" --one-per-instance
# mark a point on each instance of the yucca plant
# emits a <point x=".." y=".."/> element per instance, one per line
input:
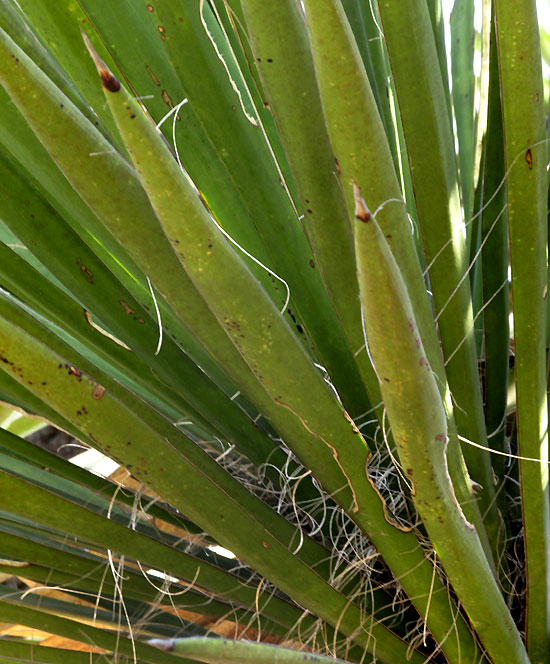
<point x="289" y="270"/>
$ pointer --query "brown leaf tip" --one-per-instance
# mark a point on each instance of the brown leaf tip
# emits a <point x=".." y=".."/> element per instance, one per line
<point x="109" y="81"/>
<point x="361" y="210"/>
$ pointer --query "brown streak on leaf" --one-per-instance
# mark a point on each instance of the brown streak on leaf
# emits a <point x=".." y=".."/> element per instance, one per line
<point x="166" y="99"/>
<point x="152" y="75"/>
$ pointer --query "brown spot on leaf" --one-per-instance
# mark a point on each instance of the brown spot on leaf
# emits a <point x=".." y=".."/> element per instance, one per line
<point x="529" y="159"/>
<point x="266" y="545"/>
<point x="127" y="308"/>
<point x="88" y="275"/>
<point x="98" y="392"/>
<point x="150" y="8"/>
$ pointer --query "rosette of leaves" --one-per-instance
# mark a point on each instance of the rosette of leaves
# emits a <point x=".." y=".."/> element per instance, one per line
<point x="260" y="257"/>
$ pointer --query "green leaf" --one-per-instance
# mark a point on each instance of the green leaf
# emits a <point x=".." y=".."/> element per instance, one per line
<point x="526" y="189"/>
<point x="418" y="422"/>
<point x="462" y="67"/>
<point x="183" y="473"/>
<point x="114" y="643"/>
<point x="287" y="72"/>
<point x="238" y="652"/>
<point x="417" y="74"/>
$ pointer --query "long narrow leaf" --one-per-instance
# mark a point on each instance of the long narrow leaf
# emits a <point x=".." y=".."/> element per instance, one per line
<point x="417" y="75"/>
<point x="418" y="421"/>
<point x="525" y="158"/>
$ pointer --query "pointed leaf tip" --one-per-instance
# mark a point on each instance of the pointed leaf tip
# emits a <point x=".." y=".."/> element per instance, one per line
<point x="109" y="81"/>
<point x="162" y="644"/>
<point x="361" y="210"/>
